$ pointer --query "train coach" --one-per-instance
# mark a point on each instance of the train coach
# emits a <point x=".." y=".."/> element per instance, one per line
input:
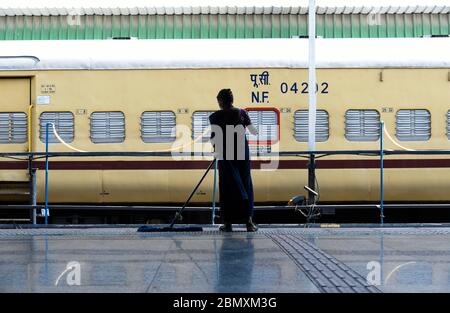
<point x="129" y="95"/>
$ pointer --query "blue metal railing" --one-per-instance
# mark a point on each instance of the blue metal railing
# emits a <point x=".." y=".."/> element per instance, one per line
<point x="37" y="155"/>
<point x="381" y="174"/>
<point x="46" y="172"/>
<point x="213" y="215"/>
<point x="381" y="153"/>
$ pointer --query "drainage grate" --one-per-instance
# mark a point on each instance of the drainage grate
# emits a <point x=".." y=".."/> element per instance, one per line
<point x="326" y="272"/>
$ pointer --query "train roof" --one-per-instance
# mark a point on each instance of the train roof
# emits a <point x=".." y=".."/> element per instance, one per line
<point x="224" y="53"/>
<point x="162" y="7"/>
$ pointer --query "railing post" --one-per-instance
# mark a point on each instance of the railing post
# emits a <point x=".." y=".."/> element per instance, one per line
<point x="33" y="194"/>
<point x="312" y="178"/>
<point x="381" y="174"/>
<point x="46" y="172"/>
<point x="213" y="217"/>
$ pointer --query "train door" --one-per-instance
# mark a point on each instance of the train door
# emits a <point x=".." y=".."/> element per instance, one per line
<point x="14" y="103"/>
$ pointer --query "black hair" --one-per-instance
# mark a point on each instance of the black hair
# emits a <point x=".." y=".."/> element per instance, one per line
<point x="225" y="97"/>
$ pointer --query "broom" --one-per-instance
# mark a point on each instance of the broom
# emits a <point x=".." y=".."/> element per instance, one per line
<point x="171" y="227"/>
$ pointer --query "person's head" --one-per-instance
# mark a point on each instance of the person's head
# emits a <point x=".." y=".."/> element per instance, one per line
<point x="225" y="99"/>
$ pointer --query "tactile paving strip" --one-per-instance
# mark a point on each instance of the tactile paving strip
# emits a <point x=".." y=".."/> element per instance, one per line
<point x="212" y="231"/>
<point x="326" y="272"/>
<point x="119" y="233"/>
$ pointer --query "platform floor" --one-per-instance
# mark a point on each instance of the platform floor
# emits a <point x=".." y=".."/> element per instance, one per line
<point x="275" y="259"/>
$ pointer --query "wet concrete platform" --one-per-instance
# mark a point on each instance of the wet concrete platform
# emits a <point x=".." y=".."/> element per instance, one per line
<point x="275" y="259"/>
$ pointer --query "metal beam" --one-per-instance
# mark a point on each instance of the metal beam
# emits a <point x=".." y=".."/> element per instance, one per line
<point x="312" y="76"/>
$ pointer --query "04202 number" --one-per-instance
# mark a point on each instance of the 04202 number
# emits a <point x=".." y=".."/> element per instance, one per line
<point x="294" y="88"/>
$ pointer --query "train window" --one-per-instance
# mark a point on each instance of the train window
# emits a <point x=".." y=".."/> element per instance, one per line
<point x="107" y="127"/>
<point x="267" y="122"/>
<point x="13" y="127"/>
<point x="362" y="125"/>
<point x="158" y="126"/>
<point x="413" y="125"/>
<point x="200" y="124"/>
<point x="64" y="125"/>
<point x="301" y="125"/>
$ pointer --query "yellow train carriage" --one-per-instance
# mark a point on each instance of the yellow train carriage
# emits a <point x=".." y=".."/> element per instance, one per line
<point x="126" y="95"/>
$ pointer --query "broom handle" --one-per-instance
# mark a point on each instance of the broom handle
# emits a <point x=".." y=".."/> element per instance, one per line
<point x="192" y="194"/>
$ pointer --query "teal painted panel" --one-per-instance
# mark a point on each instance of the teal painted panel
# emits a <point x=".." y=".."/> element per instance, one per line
<point x="27" y="28"/>
<point x="125" y="26"/>
<point x="169" y="27"/>
<point x="255" y="27"/>
<point x="383" y="28"/>
<point x="356" y="30"/>
<point x="408" y="23"/>
<point x="213" y="26"/>
<point x="266" y="26"/>
<point x="364" y="26"/>
<point x="443" y="23"/>
<point x="399" y="26"/>
<point x="18" y="27"/>
<point x="417" y="25"/>
<point x="141" y="27"/>
<point x="115" y="31"/>
<point x="284" y="26"/>
<point x="321" y="28"/>
<point x="98" y="27"/>
<point x="196" y="27"/>
<point x="204" y="26"/>
<point x="426" y="20"/>
<point x="435" y="29"/>
<point x="22" y="32"/>
<point x="54" y="28"/>
<point x="338" y="26"/>
<point x="107" y="29"/>
<point x="276" y="26"/>
<point x="36" y="27"/>
<point x="178" y="27"/>
<point x="62" y="30"/>
<point x="346" y="27"/>
<point x="9" y="28"/>
<point x="90" y="27"/>
<point x="187" y="29"/>
<point x="151" y="27"/>
<point x="302" y="25"/>
<point x="240" y="26"/>
<point x="160" y="26"/>
<point x="320" y="22"/>
<point x="221" y="26"/>
<point x="2" y="29"/>
<point x="374" y="31"/>
<point x="329" y="26"/>
<point x="293" y="25"/>
<point x="231" y="26"/>
<point x="390" y="26"/>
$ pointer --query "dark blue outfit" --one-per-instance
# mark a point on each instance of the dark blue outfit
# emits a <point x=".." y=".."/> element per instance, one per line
<point x="235" y="181"/>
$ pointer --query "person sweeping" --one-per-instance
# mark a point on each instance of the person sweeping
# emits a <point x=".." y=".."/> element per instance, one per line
<point x="230" y="143"/>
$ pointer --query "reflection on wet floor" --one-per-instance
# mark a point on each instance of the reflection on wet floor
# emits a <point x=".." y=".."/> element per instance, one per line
<point x="403" y="260"/>
<point x="409" y="260"/>
<point x="134" y="263"/>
